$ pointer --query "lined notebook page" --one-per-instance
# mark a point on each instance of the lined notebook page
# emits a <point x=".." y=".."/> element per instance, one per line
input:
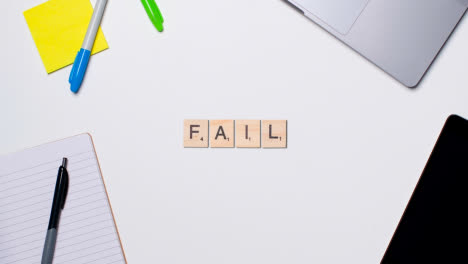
<point x="87" y="231"/>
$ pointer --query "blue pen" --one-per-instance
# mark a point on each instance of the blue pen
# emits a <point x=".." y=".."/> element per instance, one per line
<point x="82" y="58"/>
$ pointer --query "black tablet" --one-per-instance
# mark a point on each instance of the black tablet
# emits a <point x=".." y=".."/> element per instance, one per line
<point x="433" y="228"/>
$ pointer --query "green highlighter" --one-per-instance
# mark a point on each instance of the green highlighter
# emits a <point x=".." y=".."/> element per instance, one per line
<point x="154" y="14"/>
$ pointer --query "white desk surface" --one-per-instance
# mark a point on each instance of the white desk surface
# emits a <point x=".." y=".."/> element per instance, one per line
<point x="358" y="140"/>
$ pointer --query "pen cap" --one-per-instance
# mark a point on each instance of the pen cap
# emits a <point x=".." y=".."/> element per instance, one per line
<point x="78" y="70"/>
<point x="154" y="14"/>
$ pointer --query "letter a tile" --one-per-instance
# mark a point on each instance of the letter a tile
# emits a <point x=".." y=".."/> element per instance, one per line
<point x="195" y="133"/>
<point x="222" y="133"/>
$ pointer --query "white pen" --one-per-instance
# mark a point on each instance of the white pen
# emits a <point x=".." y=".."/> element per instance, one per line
<point x="82" y="58"/>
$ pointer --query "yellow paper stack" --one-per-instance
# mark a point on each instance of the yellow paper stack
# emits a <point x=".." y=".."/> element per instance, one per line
<point x="58" y="28"/>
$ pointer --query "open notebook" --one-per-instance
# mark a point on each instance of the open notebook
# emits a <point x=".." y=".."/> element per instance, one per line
<point x="87" y="231"/>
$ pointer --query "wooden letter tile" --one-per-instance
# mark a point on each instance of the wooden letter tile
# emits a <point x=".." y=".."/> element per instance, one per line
<point x="195" y="133"/>
<point x="222" y="133"/>
<point x="248" y="133"/>
<point x="274" y="133"/>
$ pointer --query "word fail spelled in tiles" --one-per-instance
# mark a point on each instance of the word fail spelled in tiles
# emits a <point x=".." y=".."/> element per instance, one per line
<point x="195" y="133"/>
<point x="241" y="133"/>
<point x="274" y="133"/>
<point x="222" y="133"/>
<point x="248" y="133"/>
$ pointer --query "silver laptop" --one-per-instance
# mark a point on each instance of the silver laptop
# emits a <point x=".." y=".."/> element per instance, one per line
<point x="402" y="37"/>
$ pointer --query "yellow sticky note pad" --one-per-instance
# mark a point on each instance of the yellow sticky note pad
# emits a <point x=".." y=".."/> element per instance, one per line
<point x="58" y="28"/>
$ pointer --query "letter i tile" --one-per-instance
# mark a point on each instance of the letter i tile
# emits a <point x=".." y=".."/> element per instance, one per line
<point x="248" y="133"/>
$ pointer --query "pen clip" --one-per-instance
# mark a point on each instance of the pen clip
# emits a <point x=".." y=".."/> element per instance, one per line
<point x="64" y="191"/>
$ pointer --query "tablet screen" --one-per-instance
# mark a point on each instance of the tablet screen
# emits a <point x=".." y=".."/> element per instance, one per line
<point x="433" y="227"/>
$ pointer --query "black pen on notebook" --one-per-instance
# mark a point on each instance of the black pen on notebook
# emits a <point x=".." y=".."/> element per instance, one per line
<point x="60" y="194"/>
